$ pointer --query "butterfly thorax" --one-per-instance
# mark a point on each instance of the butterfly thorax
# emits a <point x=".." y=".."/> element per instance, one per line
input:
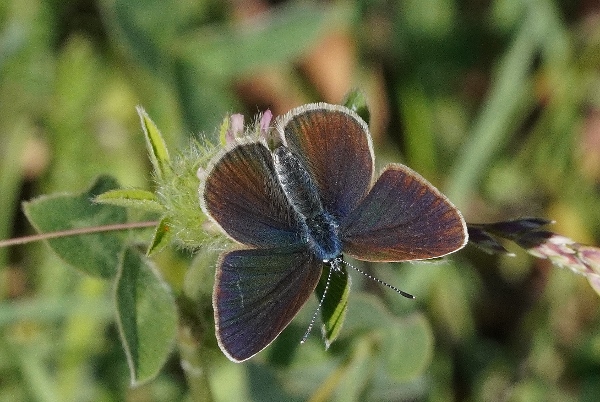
<point x="302" y="193"/>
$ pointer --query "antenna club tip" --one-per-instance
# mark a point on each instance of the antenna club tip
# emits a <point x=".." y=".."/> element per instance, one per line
<point x="407" y="295"/>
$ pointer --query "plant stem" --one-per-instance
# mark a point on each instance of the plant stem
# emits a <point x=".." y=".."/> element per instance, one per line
<point x="76" y="232"/>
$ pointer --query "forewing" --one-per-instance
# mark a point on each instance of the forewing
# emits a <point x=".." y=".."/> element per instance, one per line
<point x="256" y="295"/>
<point x="403" y="218"/>
<point x="242" y="194"/>
<point x="335" y="146"/>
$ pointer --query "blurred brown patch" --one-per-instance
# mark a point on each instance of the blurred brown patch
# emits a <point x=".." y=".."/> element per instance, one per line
<point x="272" y="89"/>
<point x="589" y="147"/>
<point x="330" y="66"/>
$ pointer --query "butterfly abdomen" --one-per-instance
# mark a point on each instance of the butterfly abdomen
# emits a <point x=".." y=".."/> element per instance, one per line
<point x="303" y="195"/>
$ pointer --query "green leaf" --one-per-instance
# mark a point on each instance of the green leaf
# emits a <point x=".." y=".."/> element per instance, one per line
<point x="284" y="36"/>
<point x="148" y="29"/>
<point x="354" y="375"/>
<point x="13" y="145"/>
<point x="357" y="102"/>
<point x="365" y="313"/>
<point x="159" y="155"/>
<point x="162" y="237"/>
<point x="420" y="133"/>
<point x="200" y="275"/>
<point x="95" y="254"/>
<point x="335" y="304"/>
<point x="134" y="198"/>
<point x="407" y="347"/>
<point x="509" y="96"/>
<point x="202" y="98"/>
<point x="146" y="316"/>
<point x="223" y="128"/>
<point x="53" y="309"/>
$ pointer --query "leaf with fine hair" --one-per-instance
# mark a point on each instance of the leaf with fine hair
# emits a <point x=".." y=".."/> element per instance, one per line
<point x="157" y="148"/>
<point x="96" y="254"/>
<point x="135" y="198"/>
<point x="162" y="237"/>
<point x="146" y="316"/>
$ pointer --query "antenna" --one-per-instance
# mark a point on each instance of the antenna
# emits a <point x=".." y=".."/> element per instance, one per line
<point x="395" y="289"/>
<point x="333" y="266"/>
<point x="314" y="317"/>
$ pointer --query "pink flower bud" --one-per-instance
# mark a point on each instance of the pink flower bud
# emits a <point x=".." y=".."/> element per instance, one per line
<point x="236" y="128"/>
<point x="265" y="122"/>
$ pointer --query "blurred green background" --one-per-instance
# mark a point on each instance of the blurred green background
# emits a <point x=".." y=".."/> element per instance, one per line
<point x="497" y="103"/>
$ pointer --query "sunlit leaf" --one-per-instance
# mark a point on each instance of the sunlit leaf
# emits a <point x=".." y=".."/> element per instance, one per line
<point x="134" y="198"/>
<point x="223" y="129"/>
<point x="157" y="149"/>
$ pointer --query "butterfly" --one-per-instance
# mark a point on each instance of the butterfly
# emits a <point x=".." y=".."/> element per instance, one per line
<point x="303" y="204"/>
